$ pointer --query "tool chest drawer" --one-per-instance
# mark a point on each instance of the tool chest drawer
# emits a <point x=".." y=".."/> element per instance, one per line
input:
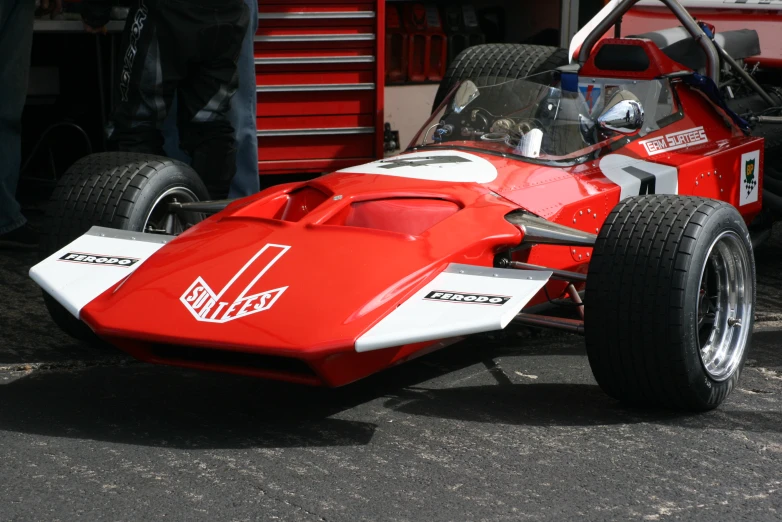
<point x="324" y="15"/>
<point x="304" y="80"/>
<point x="320" y="146"/>
<point x="287" y="60"/>
<point x="316" y="103"/>
<point x="320" y="73"/>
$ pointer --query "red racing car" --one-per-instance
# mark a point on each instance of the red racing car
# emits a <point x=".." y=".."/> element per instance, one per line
<point x="611" y="197"/>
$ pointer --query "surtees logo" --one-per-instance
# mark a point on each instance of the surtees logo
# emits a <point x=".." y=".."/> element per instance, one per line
<point x="239" y="297"/>
<point x="677" y="140"/>
<point x="461" y="297"/>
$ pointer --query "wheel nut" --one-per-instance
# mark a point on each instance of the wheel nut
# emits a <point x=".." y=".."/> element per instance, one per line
<point x="733" y="321"/>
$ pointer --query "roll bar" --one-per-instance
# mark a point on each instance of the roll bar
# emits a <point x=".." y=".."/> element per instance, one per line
<point x="613" y="16"/>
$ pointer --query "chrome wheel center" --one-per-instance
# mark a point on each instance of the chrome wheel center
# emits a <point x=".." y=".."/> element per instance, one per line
<point x="160" y="220"/>
<point x="724" y="306"/>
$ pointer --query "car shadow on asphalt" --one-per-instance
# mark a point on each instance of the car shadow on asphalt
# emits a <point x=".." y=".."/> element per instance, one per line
<point x="126" y="402"/>
<point x="153" y="406"/>
<point x="560" y="404"/>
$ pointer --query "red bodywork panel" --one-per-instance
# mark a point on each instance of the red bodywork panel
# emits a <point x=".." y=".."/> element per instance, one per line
<point x="352" y="247"/>
<point x="641" y="20"/>
<point x="659" y="63"/>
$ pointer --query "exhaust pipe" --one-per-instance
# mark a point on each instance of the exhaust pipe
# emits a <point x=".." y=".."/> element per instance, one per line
<point x="539" y="231"/>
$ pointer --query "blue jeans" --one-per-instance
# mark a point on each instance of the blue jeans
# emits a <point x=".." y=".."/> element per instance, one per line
<point x="16" y="40"/>
<point x="242" y="116"/>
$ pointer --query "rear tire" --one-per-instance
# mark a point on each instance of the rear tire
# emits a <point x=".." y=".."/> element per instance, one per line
<point x="497" y="63"/>
<point x="668" y="279"/>
<point x="115" y="190"/>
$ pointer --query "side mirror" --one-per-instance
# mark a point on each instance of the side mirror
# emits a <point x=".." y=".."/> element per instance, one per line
<point x="623" y="114"/>
<point x="465" y="94"/>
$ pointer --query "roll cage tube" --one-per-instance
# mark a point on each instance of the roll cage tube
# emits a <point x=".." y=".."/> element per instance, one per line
<point x="615" y="14"/>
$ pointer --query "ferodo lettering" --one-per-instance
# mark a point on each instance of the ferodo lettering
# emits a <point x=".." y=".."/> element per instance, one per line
<point x="97" y="259"/>
<point x="461" y="297"/>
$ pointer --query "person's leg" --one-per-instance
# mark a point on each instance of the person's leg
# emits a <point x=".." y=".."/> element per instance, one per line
<point x="205" y="95"/>
<point x="171" y="136"/>
<point x="243" y="115"/>
<point x="146" y="84"/>
<point x="16" y="35"/>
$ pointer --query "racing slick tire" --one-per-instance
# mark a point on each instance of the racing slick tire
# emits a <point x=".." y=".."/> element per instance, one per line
<point x="127" y="191"/>
<point x="496" y="63"/>
<point x="670" y="299"/>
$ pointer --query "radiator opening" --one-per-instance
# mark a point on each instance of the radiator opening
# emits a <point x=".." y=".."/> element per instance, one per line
<point x="226" y="358"/>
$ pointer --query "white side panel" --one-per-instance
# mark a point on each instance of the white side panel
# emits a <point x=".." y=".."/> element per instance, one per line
<point x="460" y="301"/>
<point x="638" y="177"/>
<point x="80" y="272"/>
<point x="437" y="165"/>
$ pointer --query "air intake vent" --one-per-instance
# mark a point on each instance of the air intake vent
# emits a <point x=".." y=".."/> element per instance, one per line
<point x="225" y="360"/>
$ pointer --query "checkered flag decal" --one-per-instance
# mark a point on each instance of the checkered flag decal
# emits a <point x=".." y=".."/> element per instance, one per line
<point x="750" y="185"/>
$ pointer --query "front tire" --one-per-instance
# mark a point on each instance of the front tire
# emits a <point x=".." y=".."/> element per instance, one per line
<point x="670" y="301"/>
<point x="126" y="191"/>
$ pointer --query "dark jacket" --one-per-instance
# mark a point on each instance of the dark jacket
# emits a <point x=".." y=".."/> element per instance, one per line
<point x="96" y="13"/>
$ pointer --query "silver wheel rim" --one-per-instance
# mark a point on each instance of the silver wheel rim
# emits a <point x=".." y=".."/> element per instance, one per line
<point x="160" y="221"/>
<point x="724" y="306"/>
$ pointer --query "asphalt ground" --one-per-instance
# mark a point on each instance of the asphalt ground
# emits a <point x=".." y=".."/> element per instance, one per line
<point x="499" y="427"/>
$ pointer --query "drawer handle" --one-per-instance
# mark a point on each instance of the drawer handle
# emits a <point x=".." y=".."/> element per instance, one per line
<point x="293" y="60"/>
<point x="317" y="15"/>
<point x="317" y="87"/>
<point x="361" y="37"/>
<point x="316" y="132"/>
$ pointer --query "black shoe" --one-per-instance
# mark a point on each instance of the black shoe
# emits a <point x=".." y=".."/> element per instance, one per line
<point x="22" y="238"/>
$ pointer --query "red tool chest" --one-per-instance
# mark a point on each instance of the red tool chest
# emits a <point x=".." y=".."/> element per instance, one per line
<point x="427" y="52"/>
<point x="320" y="76"/>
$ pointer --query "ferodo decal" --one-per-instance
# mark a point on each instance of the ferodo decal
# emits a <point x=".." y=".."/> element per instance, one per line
<point x="239" y="297"/>
<point x="98" y="259"/>
<point x="750" y="163"/>
<point x="675" y="141"/>
<point x="461" y="297"/>
<point x="637" y="177"/>
<point x="452" y="166"/>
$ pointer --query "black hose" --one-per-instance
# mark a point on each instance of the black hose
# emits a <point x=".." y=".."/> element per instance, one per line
<point x="771" y="200"/>
<point x="45" y="135"/>
<point x="772" y="173"/>
<point x="773" y="185"/>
